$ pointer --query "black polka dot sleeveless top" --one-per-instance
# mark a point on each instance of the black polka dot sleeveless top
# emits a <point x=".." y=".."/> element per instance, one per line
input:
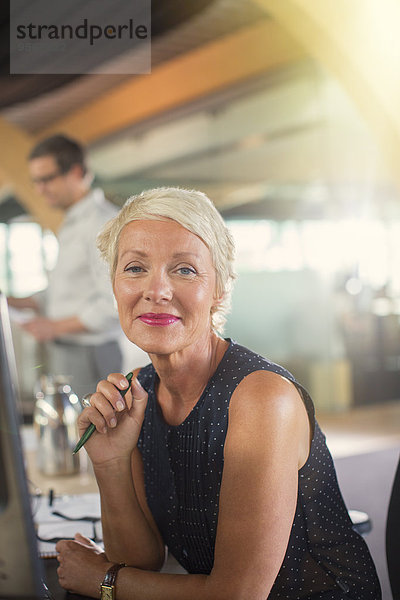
<point x="183" y="467"/>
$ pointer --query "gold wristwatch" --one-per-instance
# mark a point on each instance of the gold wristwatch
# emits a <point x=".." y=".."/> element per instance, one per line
<point x="107" y="588"/>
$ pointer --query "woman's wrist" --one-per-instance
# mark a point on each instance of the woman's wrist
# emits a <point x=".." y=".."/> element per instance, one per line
<point x="113" y="467"/>
<point x="108" y="585"/>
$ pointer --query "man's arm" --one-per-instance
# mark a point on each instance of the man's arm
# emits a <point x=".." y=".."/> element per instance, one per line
<point x="21" y="303"/>
<point x="45" y="330"/>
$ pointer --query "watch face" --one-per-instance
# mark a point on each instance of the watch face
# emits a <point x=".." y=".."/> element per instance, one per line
<point x="107" y="592"/>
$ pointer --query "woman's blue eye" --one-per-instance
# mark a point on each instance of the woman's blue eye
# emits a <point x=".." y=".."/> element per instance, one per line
<point x="187" y="271"/>
<point x="134" y="269"/>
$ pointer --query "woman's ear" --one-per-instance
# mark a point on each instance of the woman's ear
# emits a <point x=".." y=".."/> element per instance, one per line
<point x="218" y="299"/>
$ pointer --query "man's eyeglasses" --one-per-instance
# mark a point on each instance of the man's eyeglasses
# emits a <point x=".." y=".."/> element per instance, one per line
<point x="47" y="178"/>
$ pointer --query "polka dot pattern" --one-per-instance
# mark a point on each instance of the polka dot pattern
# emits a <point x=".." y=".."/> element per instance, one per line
<point x="325" y="558"/>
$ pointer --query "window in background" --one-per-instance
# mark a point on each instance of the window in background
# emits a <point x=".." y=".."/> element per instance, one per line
<point x="368" y="249"/>
<point x="322" y="297"/>
<point x="4" y="275"/>
<point x="27" y="253"/>
<point x="267" y="245"/>
<point x="394" y="255"/>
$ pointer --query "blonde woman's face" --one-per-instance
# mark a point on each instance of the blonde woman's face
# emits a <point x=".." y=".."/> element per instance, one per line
<point x="164" y="285"/>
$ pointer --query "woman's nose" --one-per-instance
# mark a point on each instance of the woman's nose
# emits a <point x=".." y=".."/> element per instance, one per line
<point x="158" y="288"/>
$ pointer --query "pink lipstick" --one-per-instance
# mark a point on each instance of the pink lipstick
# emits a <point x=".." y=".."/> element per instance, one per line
<point x="158" y="319"/>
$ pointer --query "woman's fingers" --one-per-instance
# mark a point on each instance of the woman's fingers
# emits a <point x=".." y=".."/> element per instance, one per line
<point x="64" y="546"/>
<point x="92" y="415"/>
<point x="105" y="408"/>
<point x="111" y="389"/>
<point x="138" y="399"/>
<point x="108" y="389"/>
<point x="107" y="402"/>
<point x="88" y="543"/>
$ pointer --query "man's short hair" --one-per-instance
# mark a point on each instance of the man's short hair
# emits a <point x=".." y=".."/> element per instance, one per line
<point x="66" y="152"/>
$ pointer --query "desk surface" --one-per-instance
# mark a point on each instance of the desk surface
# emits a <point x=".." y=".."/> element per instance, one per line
<point x="80" y="483"/>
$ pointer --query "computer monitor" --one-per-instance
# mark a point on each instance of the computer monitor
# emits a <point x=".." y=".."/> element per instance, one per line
<point x="20" y="567"/>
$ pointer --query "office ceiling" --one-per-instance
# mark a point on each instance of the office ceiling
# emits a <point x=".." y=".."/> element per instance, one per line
<point x="35" y="102"/>
<point x="21" y="89"/>
<point x="287" y="143"/>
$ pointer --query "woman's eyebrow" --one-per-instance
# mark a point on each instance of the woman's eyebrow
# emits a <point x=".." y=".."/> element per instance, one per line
<point x="133" y="252"/>
<point x="185" y="255"/>
<point x="177" y="255"/>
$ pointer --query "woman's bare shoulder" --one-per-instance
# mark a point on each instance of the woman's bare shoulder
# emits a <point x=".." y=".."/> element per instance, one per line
<point x="261" y="388"/>
<point x="266" y="405"/>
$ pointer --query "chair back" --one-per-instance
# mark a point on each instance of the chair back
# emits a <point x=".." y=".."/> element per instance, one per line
<point x="393" y="536"/>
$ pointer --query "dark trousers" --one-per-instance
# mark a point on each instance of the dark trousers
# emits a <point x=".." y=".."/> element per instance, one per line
<point x="84" y="366"/>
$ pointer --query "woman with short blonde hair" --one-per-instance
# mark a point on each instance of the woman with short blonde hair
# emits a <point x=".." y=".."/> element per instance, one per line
<point x="214" y="451"/>
<point x="194" y="211"/>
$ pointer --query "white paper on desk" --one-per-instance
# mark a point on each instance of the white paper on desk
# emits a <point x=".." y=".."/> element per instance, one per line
<point x="47" y="550"/>
<point x="74" y="506"/>
<point x="64" y="530"/>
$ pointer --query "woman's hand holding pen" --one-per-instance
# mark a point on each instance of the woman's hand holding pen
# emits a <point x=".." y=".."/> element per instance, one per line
<point x="118" y="420"/>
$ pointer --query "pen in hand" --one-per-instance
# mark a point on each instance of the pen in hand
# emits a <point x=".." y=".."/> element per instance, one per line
<point x="91" y="429"/>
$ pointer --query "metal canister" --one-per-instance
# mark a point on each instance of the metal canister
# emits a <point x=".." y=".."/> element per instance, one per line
<point x="55" y="420"/>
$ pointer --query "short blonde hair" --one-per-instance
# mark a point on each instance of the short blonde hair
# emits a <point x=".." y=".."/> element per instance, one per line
<point x="196" y="213"/>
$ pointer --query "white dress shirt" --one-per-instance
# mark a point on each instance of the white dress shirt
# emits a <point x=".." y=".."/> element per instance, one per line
<point x="80" y="285"/>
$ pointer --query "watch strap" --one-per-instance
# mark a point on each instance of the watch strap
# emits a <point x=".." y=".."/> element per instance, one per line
<point x="108" y="585"/>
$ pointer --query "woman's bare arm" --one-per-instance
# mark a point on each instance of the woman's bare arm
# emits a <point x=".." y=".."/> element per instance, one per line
<point x="266" y="444"/>
<point x="130" y="533"/>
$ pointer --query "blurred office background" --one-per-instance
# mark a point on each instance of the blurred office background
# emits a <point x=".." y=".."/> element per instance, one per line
<point x="287" y="115"/>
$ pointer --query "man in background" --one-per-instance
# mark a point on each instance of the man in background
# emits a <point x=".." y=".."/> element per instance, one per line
<point x="76" y="315"/>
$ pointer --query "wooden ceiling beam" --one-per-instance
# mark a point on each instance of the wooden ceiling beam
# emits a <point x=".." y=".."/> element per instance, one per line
<point x="222" y="63"/>
<point x="358" y="43"/>
<point x="14" y="148"/>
